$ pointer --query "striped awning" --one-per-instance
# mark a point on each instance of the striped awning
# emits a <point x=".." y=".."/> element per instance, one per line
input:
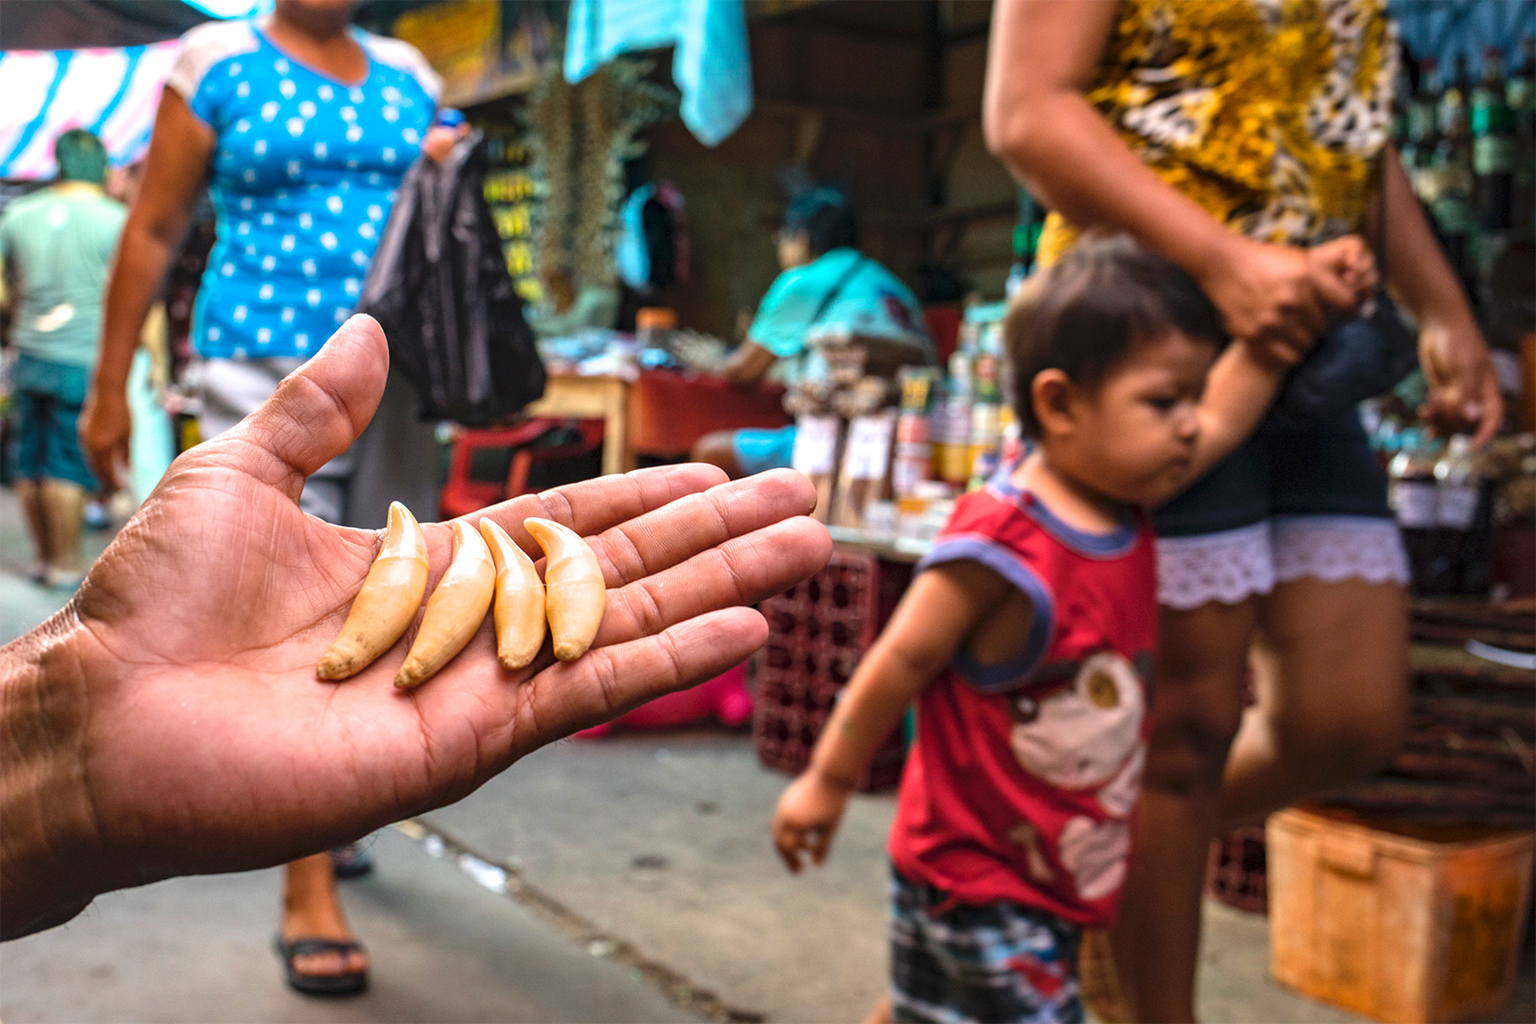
<point x="113" y="93"/>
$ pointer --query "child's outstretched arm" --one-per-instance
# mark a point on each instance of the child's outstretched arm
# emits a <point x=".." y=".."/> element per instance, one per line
<point x="939" y="611"/>
<point x="1241" y="385"/>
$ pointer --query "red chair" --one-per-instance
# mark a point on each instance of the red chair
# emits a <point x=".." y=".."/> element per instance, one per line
<point x="467" y="492"/>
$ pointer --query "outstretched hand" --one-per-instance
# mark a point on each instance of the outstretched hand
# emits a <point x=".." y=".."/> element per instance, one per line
<point x="169" y="721"/>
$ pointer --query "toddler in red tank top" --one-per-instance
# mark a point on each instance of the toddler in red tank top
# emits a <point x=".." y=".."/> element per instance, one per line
<point x="1027" y="640"/>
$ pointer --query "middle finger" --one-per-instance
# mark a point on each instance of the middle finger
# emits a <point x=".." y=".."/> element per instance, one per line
<point x="740" y="570"/>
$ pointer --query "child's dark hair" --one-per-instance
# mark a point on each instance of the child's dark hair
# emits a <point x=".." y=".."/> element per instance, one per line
<point x="1085" y="314"/>
<point x="826" y="216"/>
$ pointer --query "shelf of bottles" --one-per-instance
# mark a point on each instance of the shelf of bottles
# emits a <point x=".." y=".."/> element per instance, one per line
<point x="512" y="194"/>
<point x="1467" y="144"/>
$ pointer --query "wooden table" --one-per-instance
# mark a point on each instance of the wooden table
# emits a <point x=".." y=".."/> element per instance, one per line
<point x="574" y="396"/>
<point x="662" y="413"/>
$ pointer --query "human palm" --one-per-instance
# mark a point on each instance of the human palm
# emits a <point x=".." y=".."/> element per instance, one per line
<point x="208" y="744"/>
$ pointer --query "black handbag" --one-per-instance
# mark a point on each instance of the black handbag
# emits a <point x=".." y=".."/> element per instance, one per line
<point x="439" y="287"/>
<point x="1356" y="358"/>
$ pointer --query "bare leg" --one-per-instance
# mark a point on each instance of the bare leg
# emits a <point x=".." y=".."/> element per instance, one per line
<point x="30" y="492"/>
<point x="312" y="910"/>
<point x="64" y="508"/>
<point x="1332" y="688"/>
<point x="881" y="1012"/>
<point x="1196" y="708"/>
<point x="718" y="449"/>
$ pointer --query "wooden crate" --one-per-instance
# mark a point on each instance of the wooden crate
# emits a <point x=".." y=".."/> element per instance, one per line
<point x="1413" y="928"/>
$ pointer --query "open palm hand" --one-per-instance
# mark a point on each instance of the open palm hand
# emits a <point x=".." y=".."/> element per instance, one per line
<point x="204" y="741"/>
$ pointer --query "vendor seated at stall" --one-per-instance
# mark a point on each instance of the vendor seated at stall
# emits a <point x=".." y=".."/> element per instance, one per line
<point x="827" y="287"/>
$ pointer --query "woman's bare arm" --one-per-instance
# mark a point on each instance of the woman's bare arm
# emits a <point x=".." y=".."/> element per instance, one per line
<point x="1465" y="388"/>
<point x="747" y="364"/>
<point x="179" y="154"/>
<point x="1037" y="120"/>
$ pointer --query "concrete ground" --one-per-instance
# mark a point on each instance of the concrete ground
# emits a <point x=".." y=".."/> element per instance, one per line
<point x="623" y="879"/>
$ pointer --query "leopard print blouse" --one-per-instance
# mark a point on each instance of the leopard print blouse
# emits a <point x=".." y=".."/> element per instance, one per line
<point x="1271" y="114"/>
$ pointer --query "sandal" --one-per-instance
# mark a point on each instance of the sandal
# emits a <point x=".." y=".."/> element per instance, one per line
<point x="1098" y="980"/>
<point x="346" y="984"/>
<point x="351" y="860"/>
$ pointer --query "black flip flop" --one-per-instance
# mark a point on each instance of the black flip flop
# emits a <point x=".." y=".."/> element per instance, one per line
<point x="346" y="984"/>
<point x="350" y="861"/>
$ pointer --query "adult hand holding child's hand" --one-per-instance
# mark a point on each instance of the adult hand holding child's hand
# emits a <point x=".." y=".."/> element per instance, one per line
<point x="1279" y="297"/>
<point x="169" y="721"/>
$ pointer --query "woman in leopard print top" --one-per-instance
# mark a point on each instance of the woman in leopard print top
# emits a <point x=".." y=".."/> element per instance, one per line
<point x="1247" y="139"/>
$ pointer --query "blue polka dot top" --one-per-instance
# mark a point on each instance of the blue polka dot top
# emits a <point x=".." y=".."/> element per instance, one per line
<point x="305" y="170"/>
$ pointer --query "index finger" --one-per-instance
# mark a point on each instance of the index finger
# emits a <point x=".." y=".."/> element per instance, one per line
<point x="593" y="506"/>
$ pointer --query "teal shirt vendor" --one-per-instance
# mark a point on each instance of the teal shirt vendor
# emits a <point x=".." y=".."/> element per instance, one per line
<point x="827" y="287"/>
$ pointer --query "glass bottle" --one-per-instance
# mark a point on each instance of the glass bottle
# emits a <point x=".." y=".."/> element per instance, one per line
<point x="1493" y="144"/>
<point x="1520" y="96"/>
<point x="1458" y="489"/>
<point x="1423" y="130"/>
<point x="1412" y="492"/>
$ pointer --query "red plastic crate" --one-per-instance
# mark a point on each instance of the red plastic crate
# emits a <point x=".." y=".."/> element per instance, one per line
<point x="818" y="631"/>
<point x="1237" y="873"/>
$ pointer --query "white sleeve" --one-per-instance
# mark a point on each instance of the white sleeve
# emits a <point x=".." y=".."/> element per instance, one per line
<point x="203" y="47"/>
<point x="398" y="53"/>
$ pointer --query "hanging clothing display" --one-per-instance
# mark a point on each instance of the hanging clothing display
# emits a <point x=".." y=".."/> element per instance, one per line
<point x="712" y="66"/>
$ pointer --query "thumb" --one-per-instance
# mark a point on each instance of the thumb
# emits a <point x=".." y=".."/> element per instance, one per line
<point x="319" y="409"/>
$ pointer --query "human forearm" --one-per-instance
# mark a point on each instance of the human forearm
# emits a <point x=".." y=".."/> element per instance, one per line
<point x="876" y="697"/>
<point x="1464" y="389"/>
<point x="143" y="256"/>
<point x="1238" y="393"/>
<point x="1417" y="271"/>
<point x="1060" y="147"/>
<point x="747" y="364"/>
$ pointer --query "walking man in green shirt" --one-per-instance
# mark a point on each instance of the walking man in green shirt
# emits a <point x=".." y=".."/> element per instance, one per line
<point x="56" y="248"/>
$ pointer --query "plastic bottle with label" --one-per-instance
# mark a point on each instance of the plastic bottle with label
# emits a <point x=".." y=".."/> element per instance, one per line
<point x="954" y="440"/>
<point x="914" y="456"/>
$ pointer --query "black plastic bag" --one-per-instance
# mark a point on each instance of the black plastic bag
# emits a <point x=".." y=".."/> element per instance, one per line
<point x="440" y="289"/>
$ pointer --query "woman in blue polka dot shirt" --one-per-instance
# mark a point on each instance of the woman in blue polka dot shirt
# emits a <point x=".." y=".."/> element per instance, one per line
<point x="303" y="128"/>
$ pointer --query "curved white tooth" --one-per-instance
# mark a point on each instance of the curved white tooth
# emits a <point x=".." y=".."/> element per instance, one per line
<point x="574" y="592"/>
<point x="519" y="611"/>
<point x="455" y="609"/>
<point x="387" y="601"/>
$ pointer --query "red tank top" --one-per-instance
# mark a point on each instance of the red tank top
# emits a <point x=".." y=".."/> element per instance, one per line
<point x="1023" y="777"/>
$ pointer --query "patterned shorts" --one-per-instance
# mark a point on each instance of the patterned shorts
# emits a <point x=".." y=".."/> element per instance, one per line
<point x="1003" y="961"/>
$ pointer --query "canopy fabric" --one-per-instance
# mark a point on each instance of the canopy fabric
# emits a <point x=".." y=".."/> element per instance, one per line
<point x="111" y="92"/>
<point x="711" y="63"/>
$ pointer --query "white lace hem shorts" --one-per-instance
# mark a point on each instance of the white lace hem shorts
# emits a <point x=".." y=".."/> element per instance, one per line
<point x="1232" y="565"/>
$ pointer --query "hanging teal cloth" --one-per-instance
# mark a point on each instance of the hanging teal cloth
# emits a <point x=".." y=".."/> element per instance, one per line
<point x="711" y="65"/>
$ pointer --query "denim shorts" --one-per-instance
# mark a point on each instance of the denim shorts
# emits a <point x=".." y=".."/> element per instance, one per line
<point x="1287" y="504"/>
<point x="48" y="400"/>
<point x="1002" y="961"/>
